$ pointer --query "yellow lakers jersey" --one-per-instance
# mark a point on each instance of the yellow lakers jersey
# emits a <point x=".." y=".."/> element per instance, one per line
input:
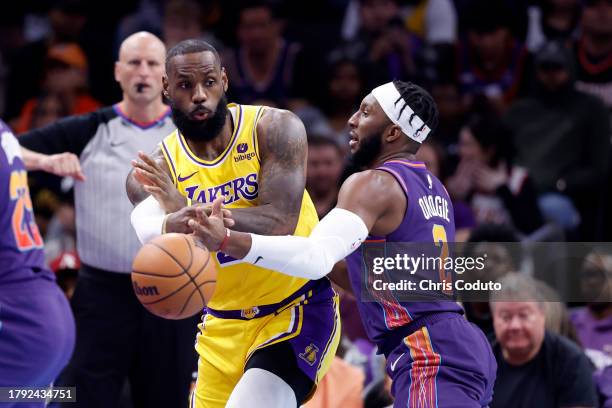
<point x="235" y="175"/>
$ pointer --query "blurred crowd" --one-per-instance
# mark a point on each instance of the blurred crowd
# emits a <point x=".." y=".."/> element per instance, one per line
<point x="524" y="92"/>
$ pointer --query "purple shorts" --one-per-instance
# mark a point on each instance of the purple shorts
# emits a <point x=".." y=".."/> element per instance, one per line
<point x="315" y="346"/>
<point x="448" y="363"/>
<point x="36" y="335"/>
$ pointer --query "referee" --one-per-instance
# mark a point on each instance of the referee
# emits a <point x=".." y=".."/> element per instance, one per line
<point x="116" y="337"/>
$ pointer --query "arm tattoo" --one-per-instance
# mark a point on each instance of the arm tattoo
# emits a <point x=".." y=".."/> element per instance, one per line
<point x="134" y="189"/>
<point x="283" y="146"/>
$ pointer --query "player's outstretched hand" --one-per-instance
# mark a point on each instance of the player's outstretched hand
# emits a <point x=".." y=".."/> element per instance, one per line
<point x="209" y="229"/>
<point x="63" y="165"/>
<point x="157" y="182"/>
<point x="179" y="220"/>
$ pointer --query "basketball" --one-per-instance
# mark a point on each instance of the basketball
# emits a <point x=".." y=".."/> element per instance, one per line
<point x="172" y="277"/>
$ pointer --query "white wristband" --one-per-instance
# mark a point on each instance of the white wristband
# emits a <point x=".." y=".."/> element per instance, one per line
<point x="148" y="219"/>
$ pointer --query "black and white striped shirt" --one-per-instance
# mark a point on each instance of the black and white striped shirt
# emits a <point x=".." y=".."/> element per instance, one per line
<point x="106" y="141"/>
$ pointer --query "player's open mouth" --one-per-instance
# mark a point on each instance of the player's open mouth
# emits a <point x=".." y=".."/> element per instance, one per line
<point x="200" y="115"/>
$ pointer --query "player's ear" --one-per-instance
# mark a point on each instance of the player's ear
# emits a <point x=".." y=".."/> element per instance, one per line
<point x="393" y="132"/>
<point x="224" y="79"/>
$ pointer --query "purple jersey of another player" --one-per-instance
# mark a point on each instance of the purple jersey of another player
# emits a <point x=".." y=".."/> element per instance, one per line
<point x="21" y="247"/>
<point x="428" y="219"/>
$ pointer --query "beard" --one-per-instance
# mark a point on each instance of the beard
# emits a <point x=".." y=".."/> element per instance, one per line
<point x="368" y="151"/>
<point x="200" y="130"/>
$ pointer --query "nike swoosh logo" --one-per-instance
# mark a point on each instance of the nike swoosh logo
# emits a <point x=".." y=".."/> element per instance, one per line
<point x="186" y="177"/>
<point x="393" y="364"/>
<point x="259" y="258"/>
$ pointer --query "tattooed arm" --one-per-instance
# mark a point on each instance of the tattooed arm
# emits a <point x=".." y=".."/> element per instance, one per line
<point x="282" y="179"/>
<point x="151" y="175"/>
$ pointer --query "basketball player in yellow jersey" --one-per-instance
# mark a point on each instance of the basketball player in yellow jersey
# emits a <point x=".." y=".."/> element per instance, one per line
<point x="266" y="338"/>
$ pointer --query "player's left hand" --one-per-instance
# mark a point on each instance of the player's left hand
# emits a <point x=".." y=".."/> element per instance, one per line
<point x="157" y="182"/>
<point x="209" y="229"/>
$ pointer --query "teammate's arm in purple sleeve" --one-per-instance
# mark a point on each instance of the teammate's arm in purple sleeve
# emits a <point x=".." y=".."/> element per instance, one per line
<point x="283" y="151"/>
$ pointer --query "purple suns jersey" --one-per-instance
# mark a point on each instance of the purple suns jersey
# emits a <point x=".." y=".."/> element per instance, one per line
<point x="428" y="220"/>
<point x="21" y="246"/>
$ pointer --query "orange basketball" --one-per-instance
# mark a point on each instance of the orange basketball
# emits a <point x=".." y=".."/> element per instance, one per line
<point x="173" y="277"/>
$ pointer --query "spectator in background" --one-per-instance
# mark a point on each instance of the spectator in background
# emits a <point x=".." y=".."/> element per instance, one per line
<point x="536" y="368"/>
<point x="65" y="77"/>
<point x="497" y="190"/>
<point x="435" y="21"/>
<point x="325" y="164"/>
<point x="553" y="20"/>
<point x="340" y="98"/>
<point x="345" y="89"/>
<point x="146" y="15"/>
<point x="562" y="137"/>
<point x="515" y="9"/>
<point x="261" y="69"/>
<point x="452" y="117"/>
<point x="491" y="61"/>
<point x="383" y="44"/>
<point x="184" y="19"/>
<point x="593" y="51"/>
<point x="48" y="109"/>
<point x="594" y="321"/>
<point x="67" y="19"/>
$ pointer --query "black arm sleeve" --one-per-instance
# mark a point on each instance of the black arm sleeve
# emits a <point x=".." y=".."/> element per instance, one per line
<point x="69" y="134"/>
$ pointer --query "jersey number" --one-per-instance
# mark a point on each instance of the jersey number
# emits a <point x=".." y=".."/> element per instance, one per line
<point x="24" y="227"/>
<point x="440" y="240"/>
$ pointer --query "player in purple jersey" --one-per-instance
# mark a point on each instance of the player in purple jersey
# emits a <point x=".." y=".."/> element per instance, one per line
<point x="434" y="356"/>
<point x="36" y="324"/>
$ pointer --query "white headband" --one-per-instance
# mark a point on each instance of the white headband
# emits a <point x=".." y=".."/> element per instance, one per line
<point x="392" y="103"/>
